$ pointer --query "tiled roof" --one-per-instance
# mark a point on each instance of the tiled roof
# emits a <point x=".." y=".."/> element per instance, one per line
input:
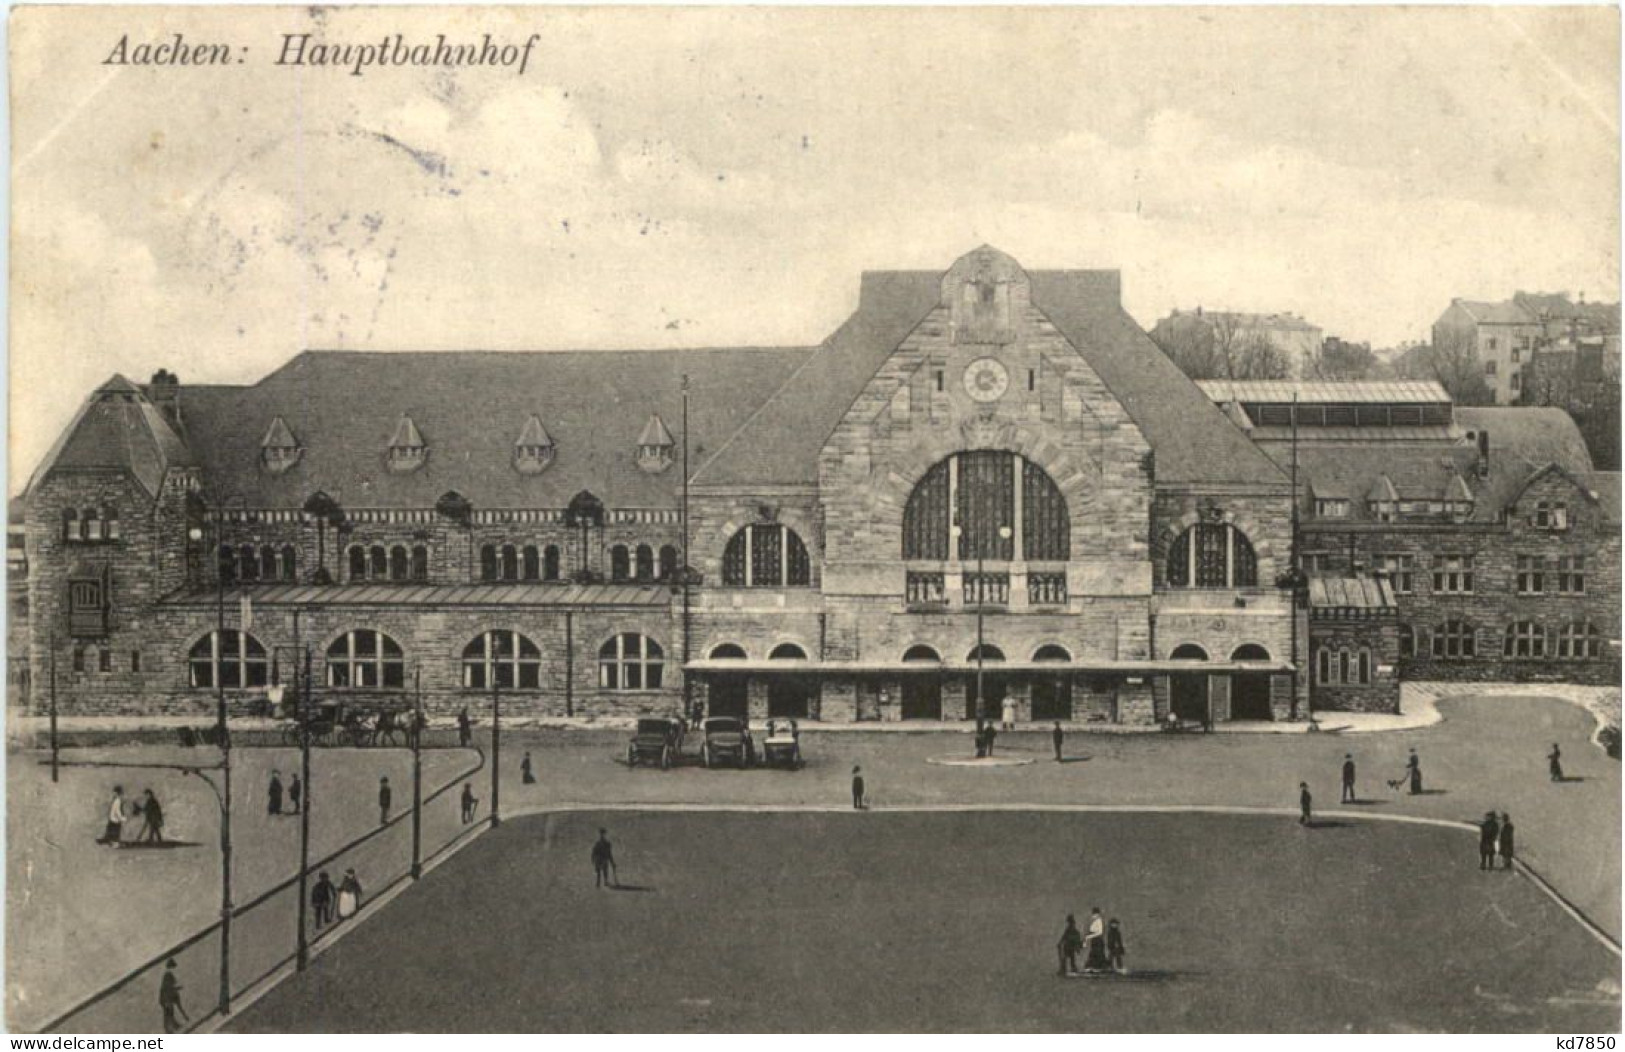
<point x="532" y="595"/>
<point x="467" y="406"/>
<point x="1535" y="435"/>
<point x="118" y="429"/>
<point x="1312" y="392"/>
<point x="1350" y="593"/>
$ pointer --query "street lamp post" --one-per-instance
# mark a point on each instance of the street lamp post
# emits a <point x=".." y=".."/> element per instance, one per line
<point x="417" y="773"/>
<point x="1005" y="534"/>
<point x="496" y="748"/>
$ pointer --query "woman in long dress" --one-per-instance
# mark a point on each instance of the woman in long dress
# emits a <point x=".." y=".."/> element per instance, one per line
<point x="349" y="895"/>
<point x="1096" y="960"/>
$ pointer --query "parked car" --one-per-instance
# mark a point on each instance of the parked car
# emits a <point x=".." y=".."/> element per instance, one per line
<point x="657" y="741"/>
<point x="781" y="746"/>
<point x="727" y="739"/>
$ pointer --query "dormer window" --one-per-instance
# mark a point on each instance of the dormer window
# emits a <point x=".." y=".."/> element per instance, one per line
<point x="1551" y="515"/>
<point x="407" y="450"/>
<point x="1332" y="508"/>
<point x="534" y="450"/>
<point x="279" y="450"/>
<point x="655" y="446"/>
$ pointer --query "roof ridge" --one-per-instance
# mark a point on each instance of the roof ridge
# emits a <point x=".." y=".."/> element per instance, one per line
<point x="754" y="413"/>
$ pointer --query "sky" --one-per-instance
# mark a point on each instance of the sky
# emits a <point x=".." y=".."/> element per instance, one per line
<point x="721" y="177"/>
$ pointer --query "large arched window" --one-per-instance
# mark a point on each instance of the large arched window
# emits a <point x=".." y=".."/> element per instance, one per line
<point x="978" y="492"/>
<point x="1052" y="652"/>
<point x="727" y="652"/>
<point x="630" y="661"/>
<point x="921" y="652"/>
<point x="365" y="658"/>
<point x="1188" y="652"/>
<point x="1525" y="639"/>
<point x="1249" y="652"/>
<point x="514" y="661"/>
<point x="231" y="659"/>
<point x="1212" y="555"/>
<point x="1579" y="641"/>
<point x="1454" y="639"/>
<point x="765" y="555"/>
<point x="787" y="652"/>
<point x="985" y="652"/>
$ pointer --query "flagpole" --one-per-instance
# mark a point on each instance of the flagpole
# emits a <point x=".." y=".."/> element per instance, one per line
<point x="688" y="688"/>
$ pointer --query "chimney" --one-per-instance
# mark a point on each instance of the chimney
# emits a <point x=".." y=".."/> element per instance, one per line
<point x="1484" y="453"/>
<point x="165" y="392"/>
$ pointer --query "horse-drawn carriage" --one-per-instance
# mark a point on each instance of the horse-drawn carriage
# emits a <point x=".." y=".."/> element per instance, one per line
<point x="347" y="724"/>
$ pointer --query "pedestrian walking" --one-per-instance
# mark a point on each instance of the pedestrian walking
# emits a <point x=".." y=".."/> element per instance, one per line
<point x="1069" y="947"/>
<point x="1009" y="715"/>
<point x="465" y="732"/>
<point x="603" y="862"/>
<point x="273" y="794"/>
<point x="113" y="834"/>
<point x="152" y="819"/>
<point x="858" y="800"/>
<point x="322" y="898"/>
<point x="526" y="775"/>
<point x="1489" y="834"/>
<point x="992" y="733"/>
<point x="1115" y="948"/>
<point x="1305" y="805"/>
<point x="1096" y="960"/>
<point x="169" y="999"/>
<point x="1057" y="736"/>
<point x="1554" y="762"/>
<point x="349" y="895"/>
<point x="1505" y="841"/>
<point x="1413" y="771"/>
<point x="296" y="794"/>
<point x="1348" y="779"/>
<point x="470" y="805"/>
<point x="384" y="799"/>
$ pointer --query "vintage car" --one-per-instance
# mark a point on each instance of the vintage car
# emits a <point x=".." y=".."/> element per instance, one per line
<point x="657" y="741"/>
<point x="727" y="739"/>
<point x="781" y="747"/>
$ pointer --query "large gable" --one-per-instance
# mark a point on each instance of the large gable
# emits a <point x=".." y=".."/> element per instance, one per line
<point x="118" y="429"/>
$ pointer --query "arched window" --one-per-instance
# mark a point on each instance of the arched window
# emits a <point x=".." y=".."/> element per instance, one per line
<point x="420" y="562"/>
<point x="231" y="659"/>
<point x="358" y="563"/>
<point x="765" y="555"/>
<point x="1365" y="668"/>
<point x="269" y="570"/>
<point x="630" y="661"/>
<point x="248" y="563"/>
<point x="514" y="661"/>
<point x="70" y="525"/>
<point x="400" y="564"/>
<point x="645" y="563"/>
<point x="1323" y="666"/>
<point x="787" y="652"/>
<point x="488" y="562"/>
<point x="530" y="567"/>
<point x="921" y="652"/>
<point x="290" y="563"/>
<point x="727" y="652"/>
<point x="510" y="563"/>
<point x="1525" y="639"/>
<point x="365" y="658"/>
<point x="1579" y="641"/>
<point x="977" y="490"/>
<point x="110" y="523"/>
<point x="1212" y="555"/>
<point x="1407" y="641"/>
<point x="1052" y="652"/>
<point x="985" y="652"/>
<point x="91" y="522"/>
<point x="377" y="563"/>
<point x="1249" y="652"/>
<point x="620" y="561"/>
<point x="1454" y="639"/>
<point x="550" y="563"/>
<point x="668" y="562"/>
<point x="1188" y="652"/>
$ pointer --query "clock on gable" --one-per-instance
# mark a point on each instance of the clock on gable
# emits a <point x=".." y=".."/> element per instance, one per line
<point x="986" y="379"/>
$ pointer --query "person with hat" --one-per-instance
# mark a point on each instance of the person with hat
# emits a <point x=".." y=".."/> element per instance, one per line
<point x="169" y="999"/>
<point x="1489" y="835"/>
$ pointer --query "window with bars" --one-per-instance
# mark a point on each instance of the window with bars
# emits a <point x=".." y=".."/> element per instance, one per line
<point x="231" y="659"/>
<point x="1046" y="529"/>
<point x="1454" y="639"/>
<point x="508" y="658"/>
<point x="986" y="505"/>
<point x="630" y="661"/>
<point x="765" y="555"/>
<point x="365" y="658"/>
<point x="1525" y="639"/>
<point x="1212" y="555"/>
<point x="976" y="492"/>
<point x="1453" y="574"/>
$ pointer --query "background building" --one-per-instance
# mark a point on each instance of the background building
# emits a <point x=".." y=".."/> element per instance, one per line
<point x="1235" y="345"/>
<point x="1505" y="336"/>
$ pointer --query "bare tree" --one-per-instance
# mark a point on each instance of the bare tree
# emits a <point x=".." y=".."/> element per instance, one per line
<point x="1453" y="361"/>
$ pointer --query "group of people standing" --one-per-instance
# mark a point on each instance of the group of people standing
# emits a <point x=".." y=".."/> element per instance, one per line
<point x="274" y="795"/>
<point x="150" y="811"/>
<point x="332" y="904"/>
<point x="1101" y="946"/>
<point x="1495" y="835"/>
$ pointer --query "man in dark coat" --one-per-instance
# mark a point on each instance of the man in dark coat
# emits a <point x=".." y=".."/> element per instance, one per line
<point x="1057" y="736"/>
<point x="858" y="802"/>
<point x="470" y="805"/>
<point x="1554" y="763"/>
<point x="1489" y="833"/>
<point x="603" y="861"/>
<point x="1348" y="778"/>
<point x="1305" y="804"/>
<point x="273" y="803"/>
<point x="296" y="794"/>
<point x="384" y="798"/>
<point x="1069" y="947"/>
<point x="169" y="998"/>
<point x="1413" y="771"/>
<point x="465" y="734"/>
<point x="152" y="817"/>
<point x="1505" y="841"/>
<point x="321" y="900"/>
